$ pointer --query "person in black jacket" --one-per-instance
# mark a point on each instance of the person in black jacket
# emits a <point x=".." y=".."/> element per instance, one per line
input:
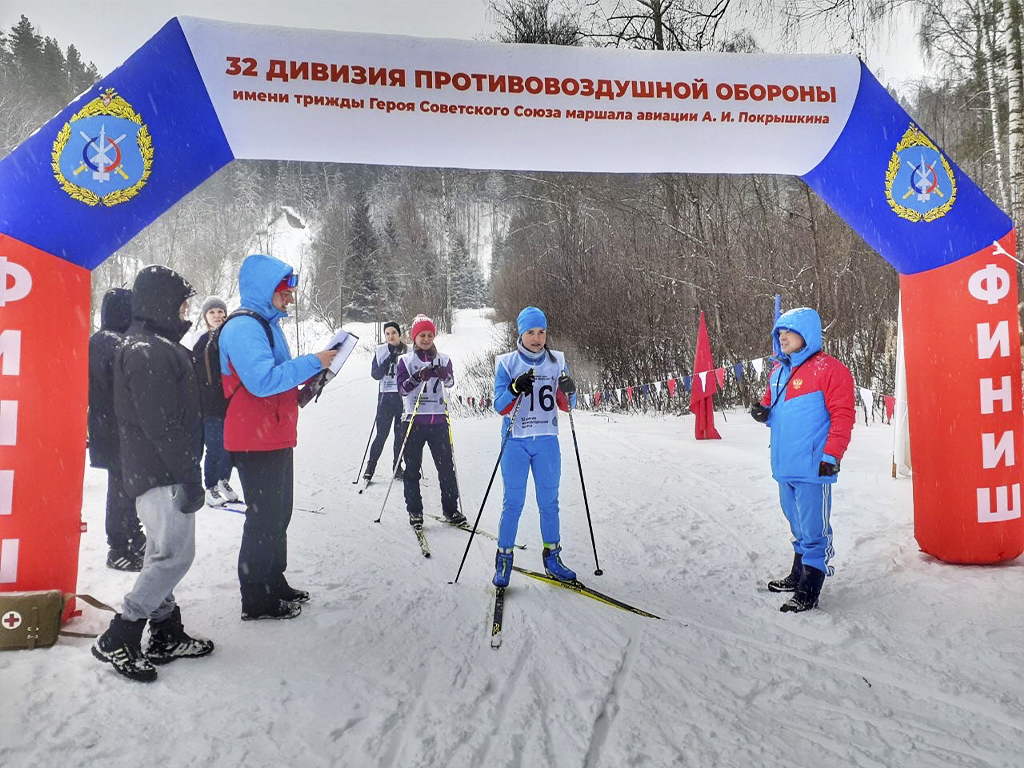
<point x="125" y="539"/>
<point x="156" y="402"/>
<point x="217" y="466"/>
<point x="389" y="402"/>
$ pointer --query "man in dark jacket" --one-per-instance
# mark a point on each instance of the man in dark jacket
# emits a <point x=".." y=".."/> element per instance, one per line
<point x="125" y="538"/>
<point x="156" y="401"/>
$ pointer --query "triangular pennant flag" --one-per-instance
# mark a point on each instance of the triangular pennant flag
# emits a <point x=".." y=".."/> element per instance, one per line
<point x="720" y="375"/>
<point x="867" y="398"/>
<point x="758" y="365"/>
<point x="671" y="384"/>
<point x="738" y="370"/>
<point x="686" y="383"/>
<point x="703" y="380"/>
<point x="618" y="395"/>
<point x="890" y="406"/>
<point x="645" y="389"/>
<point x="597" y="399"/>
<point x="629" y="394"/>
<point x="657" y="387"/>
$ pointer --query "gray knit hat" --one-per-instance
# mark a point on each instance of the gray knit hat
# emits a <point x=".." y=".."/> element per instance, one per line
<point x="212" y="302"/>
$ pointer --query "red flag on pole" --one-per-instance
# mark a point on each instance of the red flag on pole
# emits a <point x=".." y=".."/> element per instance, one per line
<point x="701" y="392"/>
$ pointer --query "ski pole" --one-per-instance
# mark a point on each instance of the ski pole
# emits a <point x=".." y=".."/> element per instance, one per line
<point x="408" y="431"/>
<point x="586" y="505"/>
<point x="373" y="427"/>
<point x="504" y="441"/>
<point x="451" y="442"/>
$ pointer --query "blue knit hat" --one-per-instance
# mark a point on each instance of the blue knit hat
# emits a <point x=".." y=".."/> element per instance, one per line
<point x="531" y="317"/>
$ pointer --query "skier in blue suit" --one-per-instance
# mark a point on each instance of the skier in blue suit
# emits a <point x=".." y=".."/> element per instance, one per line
<point x="537" y="378"/>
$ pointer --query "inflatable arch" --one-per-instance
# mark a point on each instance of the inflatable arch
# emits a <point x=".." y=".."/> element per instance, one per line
<point x="200" y="94"/>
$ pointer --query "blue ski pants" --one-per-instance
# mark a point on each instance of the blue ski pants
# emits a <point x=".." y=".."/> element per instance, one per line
<point x="808" y="507"/>
<point x="544" y="457"/>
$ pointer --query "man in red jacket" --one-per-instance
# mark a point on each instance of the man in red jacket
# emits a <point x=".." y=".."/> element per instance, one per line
<point x="259" y="378"/>
<point x="809" y="408"/>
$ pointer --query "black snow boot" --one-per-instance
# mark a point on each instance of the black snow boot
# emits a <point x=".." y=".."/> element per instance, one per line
<point x="807" y="590"/>
<point x="278" y="611"/>
<point x="789" y="583"/>
<point x="121" y="646"/>
<point x="289" y="594"/>
<point x="168" y="641"/>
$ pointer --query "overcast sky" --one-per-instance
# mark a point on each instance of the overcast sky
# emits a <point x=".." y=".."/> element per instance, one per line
<point x="106" y="32"/>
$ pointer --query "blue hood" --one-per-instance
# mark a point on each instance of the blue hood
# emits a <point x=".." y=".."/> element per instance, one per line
<point x="806" y="322"/>
<point x="257" y="279"/>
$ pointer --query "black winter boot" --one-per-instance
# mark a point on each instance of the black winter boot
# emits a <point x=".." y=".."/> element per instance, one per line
<point x="789" y="583"/>
<point x="168" y="641"/>
<point x="121" y="646"/>
<point x="807" y="590"/>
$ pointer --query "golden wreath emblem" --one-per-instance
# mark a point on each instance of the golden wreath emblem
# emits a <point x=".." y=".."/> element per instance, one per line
<point x="104" y="153"/>
<point x="919" y="183"/>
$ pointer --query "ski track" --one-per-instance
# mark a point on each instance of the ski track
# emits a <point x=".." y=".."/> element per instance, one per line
<point x="907" y="663"/>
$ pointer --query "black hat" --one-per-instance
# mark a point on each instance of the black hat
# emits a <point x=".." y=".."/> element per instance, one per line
<point x="394" y="325"/>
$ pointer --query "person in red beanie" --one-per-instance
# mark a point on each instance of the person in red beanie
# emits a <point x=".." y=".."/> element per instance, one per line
<point x="423" y="375"/>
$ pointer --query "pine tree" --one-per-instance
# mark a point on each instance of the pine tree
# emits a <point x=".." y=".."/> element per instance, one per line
<point x="363" y="268"/>
<point x="26" y="49"/>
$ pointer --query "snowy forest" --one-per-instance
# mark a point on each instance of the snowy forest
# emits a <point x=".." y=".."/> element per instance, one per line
<point x="622" y="264"/>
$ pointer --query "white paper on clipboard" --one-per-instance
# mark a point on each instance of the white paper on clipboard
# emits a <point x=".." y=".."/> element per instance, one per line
<point x="344" y="342"/>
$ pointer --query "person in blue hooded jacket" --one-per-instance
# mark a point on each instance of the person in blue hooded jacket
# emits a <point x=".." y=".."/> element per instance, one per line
<point x="536" y="378"/>
<point x="810" y="409"/>
<point x="260" y="380"/>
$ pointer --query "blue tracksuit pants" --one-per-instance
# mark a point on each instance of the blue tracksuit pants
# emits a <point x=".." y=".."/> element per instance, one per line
<point x="808" y="507"/>
<point x="544" y="457"/>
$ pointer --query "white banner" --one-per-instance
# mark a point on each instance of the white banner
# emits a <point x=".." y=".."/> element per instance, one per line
<point x="298" y="94"/>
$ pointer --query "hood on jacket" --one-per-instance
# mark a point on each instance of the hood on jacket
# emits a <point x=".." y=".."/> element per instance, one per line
<point x="156" y="298"/>
<point x="257" y="279"/>
<point x="116" y="310"/>
<point x="806" y="322"/>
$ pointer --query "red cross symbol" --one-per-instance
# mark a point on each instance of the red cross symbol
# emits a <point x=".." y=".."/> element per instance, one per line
<point x="11" y="620"/>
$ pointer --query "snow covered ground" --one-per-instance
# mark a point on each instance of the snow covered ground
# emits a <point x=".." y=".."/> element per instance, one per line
<point x="908" y="662"/>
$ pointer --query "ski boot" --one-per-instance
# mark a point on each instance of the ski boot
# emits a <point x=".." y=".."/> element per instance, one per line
<point x="502" y="567"/>
<point x="789" y="583"/>
<point x="553" y="565"/>
<point x="226" y="491"/>
<point x="455" y="518"/>
<point x="121" y="647"/>
<point x="168" y="641"/>
<point x="214" y="498"/>
<point x="807" y="591"/>
<point x="416" y="520"/>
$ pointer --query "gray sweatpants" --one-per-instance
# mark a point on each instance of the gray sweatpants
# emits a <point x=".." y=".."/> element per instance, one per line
<point x="170" y="549"/>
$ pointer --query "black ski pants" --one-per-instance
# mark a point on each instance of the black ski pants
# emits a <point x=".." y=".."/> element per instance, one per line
<point x="124" y="531"/>
<point x="436" y="437"/>
<point x="267" y="485"/>
<point x="389" y="419"/>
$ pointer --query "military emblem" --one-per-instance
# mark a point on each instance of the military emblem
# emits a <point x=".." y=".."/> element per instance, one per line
<point x="104" y="153"/>
<point x="919" y="184"/>
<point x="797" y="383"/>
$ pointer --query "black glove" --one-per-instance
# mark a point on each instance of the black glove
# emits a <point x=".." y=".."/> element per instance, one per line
<point x="827" y="469"/>
<point x="417" y="377"/>
<point x="523" y="385"/>
<point x="567" y="385"/>
<point x="760" y="412"/>
<point x="430" y="372"/>
<point x="195" y="498"/>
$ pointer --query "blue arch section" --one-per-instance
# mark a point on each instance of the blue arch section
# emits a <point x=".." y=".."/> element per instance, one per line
<point x="852" y="180"/>
<point x="162" y="83"/>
